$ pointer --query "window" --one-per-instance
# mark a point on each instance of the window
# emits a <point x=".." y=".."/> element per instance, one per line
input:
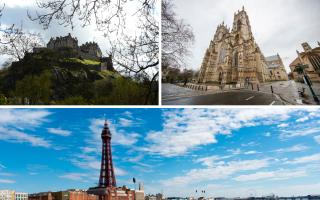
<point x="235" y="59"/>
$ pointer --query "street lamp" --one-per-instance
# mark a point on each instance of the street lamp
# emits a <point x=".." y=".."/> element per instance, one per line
<point x="300" y="70"/>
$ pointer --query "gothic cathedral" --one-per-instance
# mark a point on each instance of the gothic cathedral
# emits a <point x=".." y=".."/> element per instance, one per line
<point x="234" y="58"/>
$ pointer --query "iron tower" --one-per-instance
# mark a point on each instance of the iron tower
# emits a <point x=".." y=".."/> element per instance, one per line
<point x="107" y="178"/>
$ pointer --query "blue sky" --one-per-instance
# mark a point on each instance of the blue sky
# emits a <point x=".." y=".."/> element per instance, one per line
<point x="227" y="152"/>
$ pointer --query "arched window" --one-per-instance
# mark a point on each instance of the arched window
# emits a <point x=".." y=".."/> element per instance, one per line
<point x="222" y="54"/>
<point x="239" y="25"/>
<point x="235" y="59"/>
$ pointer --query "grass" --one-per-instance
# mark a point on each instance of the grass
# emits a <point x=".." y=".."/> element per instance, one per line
<point x="84" y="61"/>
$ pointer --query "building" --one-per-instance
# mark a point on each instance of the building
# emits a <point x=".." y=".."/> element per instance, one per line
<point x="277" y="71"/>
<point x="41" y="196"/>
<point x="107" y="188"/>
<point x="233" y="57"/>
<point x="21" y="196"/>
<point x="139" y="194"/>
<point x="150" y="197"/>
<point x="309" y="57"/>
<point x="63" y="195"/>
<point x="7" y="195"/>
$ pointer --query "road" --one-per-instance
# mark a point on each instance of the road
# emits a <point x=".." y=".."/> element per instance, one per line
<point x="234" y="97"/>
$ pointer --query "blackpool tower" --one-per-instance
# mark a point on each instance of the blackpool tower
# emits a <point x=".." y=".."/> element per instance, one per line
<point x="107" y="189"/>
<point x="107" y="178"/>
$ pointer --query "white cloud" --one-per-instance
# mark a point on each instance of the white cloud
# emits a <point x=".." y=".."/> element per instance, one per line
<point x="317" y="138"/>
<point x="22" y="118"/>
<point x="11" y="135"/>
<point x="297" y="132"/>
<point x="59" y="131"/>
<point x="234" y="151"/>
<point x="305" y="159"/>
<point x="302" y="119"/>
<point x="283" y="125"/>
<point x="125" y="122"/>
<point x="7" y="181"/>
<point x="15" y="122"/>
<point x="220" y="170"/>
<point x="186" y="129"/>
<point x="274" y="175"/>
<point x="267" y="134"/>
<point x="251" y="152"/>
<point x="74" y="176"/>
<point x="211" y="160"/>
<point x="295" y="148"/>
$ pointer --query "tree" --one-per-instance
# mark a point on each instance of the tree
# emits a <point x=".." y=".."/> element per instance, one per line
<point x="16" y="42"/>
<point x="177" y="37"/>
<point x="34" y="89"/>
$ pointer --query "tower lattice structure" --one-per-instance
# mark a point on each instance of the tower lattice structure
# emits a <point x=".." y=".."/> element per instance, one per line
<point x="107" y="178"/>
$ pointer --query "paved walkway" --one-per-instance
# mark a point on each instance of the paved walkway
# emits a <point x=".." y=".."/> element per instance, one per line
<point x="288" y="91"/>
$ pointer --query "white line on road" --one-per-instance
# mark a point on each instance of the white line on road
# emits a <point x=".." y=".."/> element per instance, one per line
<point x="272" y="102"/>
<point x="249" y="98"/>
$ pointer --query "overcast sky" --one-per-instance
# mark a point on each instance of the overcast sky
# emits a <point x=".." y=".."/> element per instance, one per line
<point x="15" y="12"/>
<point x="278" y="26"/>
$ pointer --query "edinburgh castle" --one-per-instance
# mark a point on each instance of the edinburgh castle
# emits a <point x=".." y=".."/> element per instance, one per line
<point x="89" y="50"/>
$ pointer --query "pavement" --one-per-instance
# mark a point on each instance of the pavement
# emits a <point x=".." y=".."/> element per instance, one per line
<point x="288" y="91"/>
<point x="176" y="95"/>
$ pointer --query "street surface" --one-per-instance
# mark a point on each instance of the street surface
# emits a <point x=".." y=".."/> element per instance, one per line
<point x="233" y="97"/>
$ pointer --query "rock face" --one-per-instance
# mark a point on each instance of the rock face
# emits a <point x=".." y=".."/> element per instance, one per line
<point x="233" y="57"/>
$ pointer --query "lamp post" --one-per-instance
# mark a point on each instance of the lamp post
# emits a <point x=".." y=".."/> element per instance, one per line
<point x="300" y="70"/>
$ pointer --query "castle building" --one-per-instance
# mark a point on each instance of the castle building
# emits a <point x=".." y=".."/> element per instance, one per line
<point x="277" y="72"/>
<point x="63" y="42"/>
<point x="233" y="57"/>
<point x="89" y="50"/>
<point x="309" y="57"/>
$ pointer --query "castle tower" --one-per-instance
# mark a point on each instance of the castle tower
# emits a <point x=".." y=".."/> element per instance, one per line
<point x="107" y="177"/>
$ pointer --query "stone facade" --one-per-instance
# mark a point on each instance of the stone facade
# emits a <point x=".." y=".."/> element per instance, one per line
<point x="311" y="58"/>
<point x="233" y="56"/>
<point x="277" y="72"/>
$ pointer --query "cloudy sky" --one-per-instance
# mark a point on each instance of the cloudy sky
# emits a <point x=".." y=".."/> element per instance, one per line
<point x="226" y="152"/>
<point x="15" y="12"/>
<point x="279" y="26"/>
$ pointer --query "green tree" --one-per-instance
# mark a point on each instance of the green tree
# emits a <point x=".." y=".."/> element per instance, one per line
<point x="34" y="89"/>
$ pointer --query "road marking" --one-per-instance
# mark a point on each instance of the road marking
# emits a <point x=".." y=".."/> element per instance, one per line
<point x="249" y="98"/>
<point x="272" y="102"/>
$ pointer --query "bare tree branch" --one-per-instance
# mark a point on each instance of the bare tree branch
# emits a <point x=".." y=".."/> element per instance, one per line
<point x="177" y="37"/>
<point x="15" y="42"/>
